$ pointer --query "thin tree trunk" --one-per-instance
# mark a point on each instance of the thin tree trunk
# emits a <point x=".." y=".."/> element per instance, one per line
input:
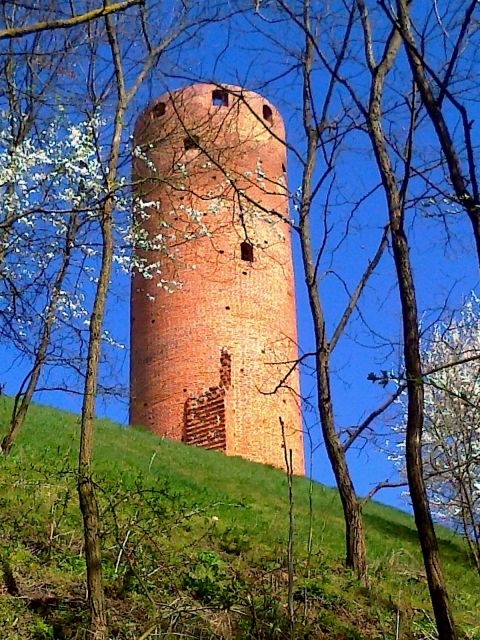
<point x="411" y="338"/>
<point x="423" y="519"/>
<point x="354" y="533"/>
<point x="86" y="490"/>
<point x="19" y="413"/>
<point x="416" y="483"/>
<point x="356" y="556"/>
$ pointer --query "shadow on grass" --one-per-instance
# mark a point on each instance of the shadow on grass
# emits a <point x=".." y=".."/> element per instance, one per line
<point x="451" y="545"/>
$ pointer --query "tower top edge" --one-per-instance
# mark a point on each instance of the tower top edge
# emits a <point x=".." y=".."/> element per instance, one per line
<point x="200" y="96"/>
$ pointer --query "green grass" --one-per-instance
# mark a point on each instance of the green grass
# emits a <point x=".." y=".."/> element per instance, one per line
<point x="194" y="546"/>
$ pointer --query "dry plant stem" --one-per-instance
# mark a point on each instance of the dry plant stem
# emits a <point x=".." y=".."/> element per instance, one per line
<point x="19" y="412"/>
<point x="355" y="537"/>
<point x="411" y="338"/>
<point x="291" y="531"/>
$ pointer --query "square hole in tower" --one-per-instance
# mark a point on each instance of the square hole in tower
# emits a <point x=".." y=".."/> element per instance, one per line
<point x="219" y="98"/>
<point x="191" y="142"/>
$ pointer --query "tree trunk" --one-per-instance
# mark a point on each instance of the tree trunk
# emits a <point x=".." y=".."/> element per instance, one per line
<point x="416" y="483"/>
<point x="88" y="503"/>
<point x="356" y="557"/>
<point x="86" y="491"/>
<point x="354" y="535"/>
<point x="91" y="526"/>
<point x="411" y="339"/>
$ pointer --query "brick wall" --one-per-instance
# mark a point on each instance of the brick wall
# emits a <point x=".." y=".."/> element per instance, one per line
<point x="208" y="354"/>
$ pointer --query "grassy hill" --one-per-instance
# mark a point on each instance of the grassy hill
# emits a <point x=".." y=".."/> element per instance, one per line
<point x="194" y="546"/>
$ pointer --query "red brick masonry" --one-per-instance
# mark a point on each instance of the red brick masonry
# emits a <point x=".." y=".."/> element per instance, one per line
<point x="212" y="359"/>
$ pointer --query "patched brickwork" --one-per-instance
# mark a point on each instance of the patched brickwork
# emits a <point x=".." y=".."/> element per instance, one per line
<point x="204" y="420"/>
<point x="206" y="355"/>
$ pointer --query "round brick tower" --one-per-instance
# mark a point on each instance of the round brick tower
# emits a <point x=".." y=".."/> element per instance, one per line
<point x="213" y="330"/>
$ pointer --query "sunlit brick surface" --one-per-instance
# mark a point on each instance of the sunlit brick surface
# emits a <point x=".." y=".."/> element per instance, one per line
<point x="211" y="361"/>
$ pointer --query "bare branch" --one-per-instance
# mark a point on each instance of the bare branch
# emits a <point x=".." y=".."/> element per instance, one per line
<point x="66" y="23"/>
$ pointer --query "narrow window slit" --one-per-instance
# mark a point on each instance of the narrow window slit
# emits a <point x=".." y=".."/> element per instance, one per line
<point x="246" y="251"/>
<point x="267" y="114"/>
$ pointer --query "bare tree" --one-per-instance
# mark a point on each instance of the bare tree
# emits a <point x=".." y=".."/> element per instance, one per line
<point x="395" y="197"/>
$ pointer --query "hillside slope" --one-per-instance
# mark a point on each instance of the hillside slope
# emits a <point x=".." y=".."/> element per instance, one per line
<point x="195" y="544"/>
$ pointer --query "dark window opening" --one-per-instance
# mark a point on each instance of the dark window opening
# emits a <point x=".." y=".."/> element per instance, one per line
<point x="227" y="308"/>
<point x="192" y="142"/>
<point x="219" y="98"/>
<point x="283" y="168"/>
<point x="158" y="110"/>
<point x="246" y="251"/>
<point x="268" y="114"/>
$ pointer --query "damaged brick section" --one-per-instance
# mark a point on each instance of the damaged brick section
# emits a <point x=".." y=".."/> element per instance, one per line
<point x="225" y="369"/>
<point x="204" y="420"/>
<point x="204" y="415"/>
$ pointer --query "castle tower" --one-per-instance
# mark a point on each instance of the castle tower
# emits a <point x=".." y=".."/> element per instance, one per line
<point x="213" y="330"/>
